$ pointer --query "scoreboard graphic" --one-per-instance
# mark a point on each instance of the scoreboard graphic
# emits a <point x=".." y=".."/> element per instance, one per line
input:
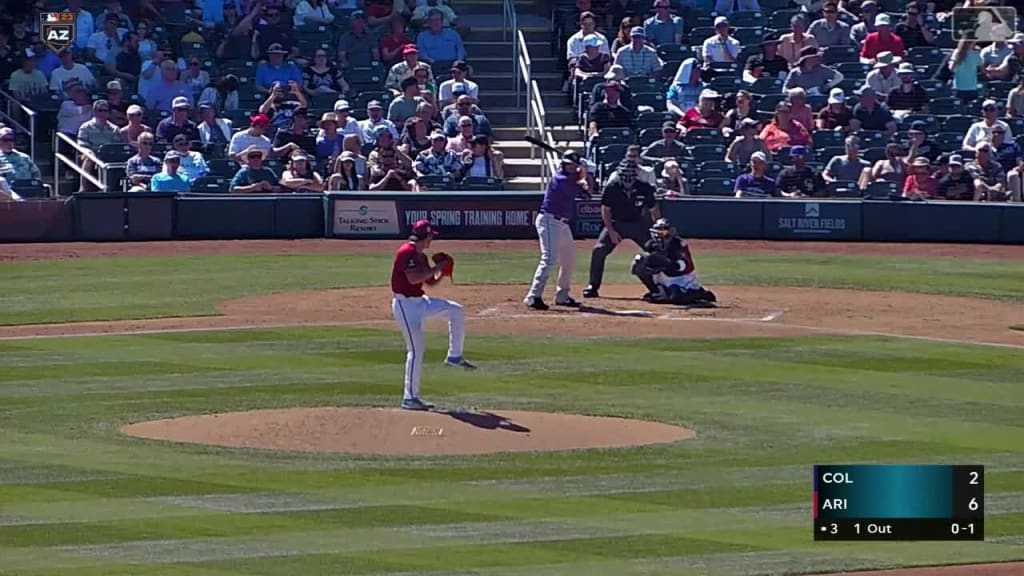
<point x="899" y="502"/>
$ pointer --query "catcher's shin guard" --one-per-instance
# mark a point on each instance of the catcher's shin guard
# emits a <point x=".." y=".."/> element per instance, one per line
<point x="640" y="271"/>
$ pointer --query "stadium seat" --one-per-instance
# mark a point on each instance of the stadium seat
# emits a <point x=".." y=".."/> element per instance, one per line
<point x="649" y="136"/>
<point x="932" y="124"/>
<point x="611" y="153"/>
<point x="30" y="188"/>
<point x="827" y="138"/>
<point x="925" y="55"/>
<point x="115" y="153"/>
<point x="843" y="189"/>
<point x="957" y="123"/>
<point x="944" y="106"/>
<point x="607" y="136"/>
<point x="486" y="184"/>
<point x="653" y="119"/>
<point x="764" y="86"/>
<point x="882" y="191"/>
<point x="654" y="100"/>
<point x="747" y="20"/>
<point x="717" y="169"/>
<point x="223" y="167"/>
<point x="838" y="54"/>
<point x="436" y="183"/>
<point x="707" y="152"/>
<point x="703" y="136"/>
<point x="716" y="187"/>
<point x="211" y="185"/>
<point x="873" y="154"/>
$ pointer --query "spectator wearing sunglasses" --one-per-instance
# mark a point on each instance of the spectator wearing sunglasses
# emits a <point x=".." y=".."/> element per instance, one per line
<point x="274" y="33"/>
<point x="981" y="131"/>
<point x="323" y="77"/>
<point x="664" y="27"/>
<point x="135" y="128"/>
<point x="172" y="178"/>
<point x="141" y="167"/>
<point x="254" y="177"/>
<point x="194" y="77"/>
<point x="105" y="44"/>
<point x="193" y="165"/>
<point x="829" y="30"/>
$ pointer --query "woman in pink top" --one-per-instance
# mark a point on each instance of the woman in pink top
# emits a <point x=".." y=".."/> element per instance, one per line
<point x="801" y="110"/>
<point x="920" y="185"/>
<point x="783" y="131"/>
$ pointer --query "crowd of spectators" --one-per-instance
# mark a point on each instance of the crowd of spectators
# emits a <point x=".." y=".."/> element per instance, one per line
<point x="259" y="95"/>
<point x="796" y="98"/>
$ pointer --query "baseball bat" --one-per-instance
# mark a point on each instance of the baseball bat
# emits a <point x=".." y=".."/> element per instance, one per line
<point x="542" y="144"/>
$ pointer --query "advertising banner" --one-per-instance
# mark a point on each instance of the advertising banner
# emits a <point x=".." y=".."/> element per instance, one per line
<point x="474" y="217"/>
<point x="365" y="219"/>
<point x="587" y="223"/>
<point x="828" y="220"/>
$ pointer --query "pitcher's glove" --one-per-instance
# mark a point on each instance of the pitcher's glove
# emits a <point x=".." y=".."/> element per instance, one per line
<point x="448" y="268"/>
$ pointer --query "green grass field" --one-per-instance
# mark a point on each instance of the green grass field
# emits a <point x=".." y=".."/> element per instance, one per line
<point x="77" y="498"/>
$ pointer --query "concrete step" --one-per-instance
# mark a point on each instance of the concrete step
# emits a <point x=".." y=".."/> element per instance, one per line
<point x="502" y="48"/>
<point x="511" y="117"/>
<point x="532" y="34"/>
<point x="523" y="167"/>
<point x="507" y="99"/>
<point x="548" y="82"/>
<point x="503" y="64"/>
<point x="525" y="184"/>
<point x="561" y="134"/>
<point x="518" y="149"/>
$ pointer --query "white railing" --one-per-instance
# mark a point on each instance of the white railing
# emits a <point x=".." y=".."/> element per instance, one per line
<point x="73" y="163"/>
<point x="510" y="26"/>
<point x="13" y="113"/>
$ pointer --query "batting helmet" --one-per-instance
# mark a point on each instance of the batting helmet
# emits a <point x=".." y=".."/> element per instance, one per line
<point x="662" y="228"/>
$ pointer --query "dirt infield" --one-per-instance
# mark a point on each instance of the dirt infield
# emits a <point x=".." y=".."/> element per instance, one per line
<point x="1006" y="569"/>
<point x="65" y="251"/>
<point x="744" y="311"/>
<point x="400" y="432"/>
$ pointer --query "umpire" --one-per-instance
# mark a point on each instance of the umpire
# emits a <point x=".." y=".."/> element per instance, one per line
<point x="628" y="207"/>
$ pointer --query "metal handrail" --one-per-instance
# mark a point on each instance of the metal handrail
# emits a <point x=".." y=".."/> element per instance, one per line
<point x="10" y="105"/>
<point x="537" y="126"/>
<point x="524" y="73"/>
<point x="509" y="19"/>
<point x="72" y="163"/>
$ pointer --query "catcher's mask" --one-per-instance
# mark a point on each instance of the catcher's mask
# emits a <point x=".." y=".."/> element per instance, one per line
<point x="662" y="228"/>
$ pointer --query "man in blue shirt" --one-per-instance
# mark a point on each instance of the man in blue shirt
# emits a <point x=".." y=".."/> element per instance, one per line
<point x="664" y="27"/>
<point x="557" y="246"/>
<point x="276" y="70"/>
<point x="439" y="44"/>
<point x="170" y="180"/>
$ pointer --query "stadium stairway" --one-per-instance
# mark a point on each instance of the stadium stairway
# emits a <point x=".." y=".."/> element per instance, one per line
<point x="490" y="54"/>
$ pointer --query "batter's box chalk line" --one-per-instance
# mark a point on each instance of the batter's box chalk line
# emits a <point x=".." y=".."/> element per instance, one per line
<point x="427" y="431"/>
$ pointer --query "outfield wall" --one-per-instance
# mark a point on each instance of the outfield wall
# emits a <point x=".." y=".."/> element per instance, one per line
<point x="488" y="216"/>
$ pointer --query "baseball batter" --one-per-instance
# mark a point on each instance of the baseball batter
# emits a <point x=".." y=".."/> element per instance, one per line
<point x="666" y="268"/>
<point x="411" y="307"/>
<point x="557" y="246"/>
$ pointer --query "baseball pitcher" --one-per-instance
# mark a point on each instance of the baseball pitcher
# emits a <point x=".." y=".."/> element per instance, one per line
<point x="411" y="308"/>
<point x="666" y="268"/>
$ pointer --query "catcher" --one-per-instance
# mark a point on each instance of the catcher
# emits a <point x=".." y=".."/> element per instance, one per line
<point x="666" y="268"/>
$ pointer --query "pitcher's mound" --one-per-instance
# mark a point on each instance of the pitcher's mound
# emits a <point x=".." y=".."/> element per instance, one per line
<point x="401" y="432"/>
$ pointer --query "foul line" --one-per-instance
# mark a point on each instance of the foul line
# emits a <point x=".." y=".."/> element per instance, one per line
<point x="491" y="314"/>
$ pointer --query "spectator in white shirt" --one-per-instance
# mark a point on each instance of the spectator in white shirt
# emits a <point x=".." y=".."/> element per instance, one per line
<point x="105" y="44"/>
<point x="375" y="120"/>
<point x="346" y="123"/>
<point x="883" y="78"/>
<point x="981" y="131"/>
<point x="313" y="12"/>
<point x="459" y="72"/>
<point x="721" y="47"/>
<point x="574" y="48"/>
<point x="639" y="59"/>
<point x="70" y="70"/>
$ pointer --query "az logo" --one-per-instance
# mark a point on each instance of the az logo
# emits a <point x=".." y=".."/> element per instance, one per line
<point x="57" y="31"/>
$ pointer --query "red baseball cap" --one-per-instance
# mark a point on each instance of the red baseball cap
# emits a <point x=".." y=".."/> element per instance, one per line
<point x="259" y="119"/>
<point x="410" y="49"/>
<point x="423" y="229"/>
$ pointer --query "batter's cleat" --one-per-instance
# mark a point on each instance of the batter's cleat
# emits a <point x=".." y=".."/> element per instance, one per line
<point x="416" y="404"/>
<point x="569" y="302"/>
<point x="590" y="292"/>
<point x="537" y="304"/>
<point x="709" y="296"/>
<point x="459" y="362"/>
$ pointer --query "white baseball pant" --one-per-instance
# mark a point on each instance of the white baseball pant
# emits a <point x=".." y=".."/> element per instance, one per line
<point x="411" y="315"/>
<point x="557" y="247"/>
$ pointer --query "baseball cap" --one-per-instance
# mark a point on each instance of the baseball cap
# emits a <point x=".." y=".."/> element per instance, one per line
<point x="798" y="151"/>
<point x="865" y="90"/>
<point x="906" y="68"/>
<point x="984" y="146"/>
<point x="998" y="128"/>
<point x="179" y="138"/>
<point x="382" y="131"/>
<point x="883" y="20"/>
<point x="134" y="109"/>
<point x="259" y="120"/>
<point x="988" y="103"/>
<point x="918" y="126"/>
<point x="458" y="88"/>
<point x="276" y="48"/>
<point x="423" y="229"/>
<point x="720" y="21"/>
<point x="669" y="126"/>
<point x="710" y="94"/>
<point x="409" y="49"/>
<point x="460" y="65"/>
<point x="300" y="111"/>
<point x="180" y="102"/>
<point x="571" y="157"/>
<point x="1017" y="38"/>
<point x="114" y="85"/>
<point x="636" y="32"/>
<point x="6" y="133"/>
<point x="591" y="41"/>
<point x="357" y="15"/>
<point x="758" y="157"/>
<point x="172" y="155"/>
<point x="956" y="160"/>
<point x="101" y="105"/>
<point x="615" y="72"/>
<point x="438" y="136"/>
<point x="836" y="96"/>
<point x="374" y="105"/>
<point x="343" y="105"/>
<point x="869" y="4"/>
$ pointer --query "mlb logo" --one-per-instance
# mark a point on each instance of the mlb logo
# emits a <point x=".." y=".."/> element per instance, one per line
<point x="812" y="210"/>
<point x="56" y="30"/>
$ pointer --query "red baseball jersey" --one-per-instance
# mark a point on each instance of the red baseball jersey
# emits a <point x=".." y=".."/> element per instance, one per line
<point x="407" y="258"/>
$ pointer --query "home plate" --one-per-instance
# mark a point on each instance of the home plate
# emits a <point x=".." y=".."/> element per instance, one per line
<point x="427" y="431"/>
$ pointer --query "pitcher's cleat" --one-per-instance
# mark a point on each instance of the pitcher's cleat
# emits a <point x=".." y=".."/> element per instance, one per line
<point x="416" y="404"/>
<point x="459" y="362"/>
